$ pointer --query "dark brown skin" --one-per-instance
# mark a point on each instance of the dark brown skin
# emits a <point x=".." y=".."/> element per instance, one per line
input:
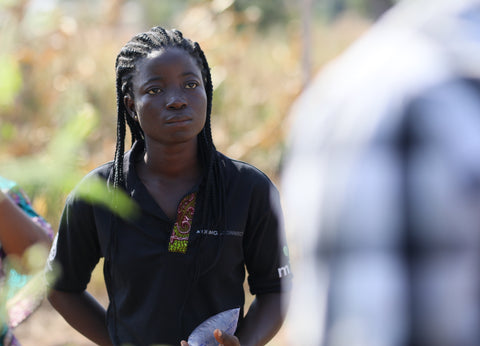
<point x="83" y="313"/>
<point x="169" y="102"/>
<point x="264" y="318"/>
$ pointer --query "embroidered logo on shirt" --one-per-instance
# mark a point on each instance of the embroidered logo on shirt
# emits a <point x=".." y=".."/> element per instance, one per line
<point x="181" y="229"/>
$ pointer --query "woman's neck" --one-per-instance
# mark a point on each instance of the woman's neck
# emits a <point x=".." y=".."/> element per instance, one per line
<point x="171" y="162"/>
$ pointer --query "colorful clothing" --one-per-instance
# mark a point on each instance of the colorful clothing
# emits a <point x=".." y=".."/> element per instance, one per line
<point x="17" y="308"/>
<point x="181" y="228"/>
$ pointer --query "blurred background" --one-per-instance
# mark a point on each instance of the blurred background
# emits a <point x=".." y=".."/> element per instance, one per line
<point x="57" y="88"/>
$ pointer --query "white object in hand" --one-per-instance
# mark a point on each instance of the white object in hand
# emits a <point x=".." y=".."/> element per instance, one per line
<point x="226" y="321"/>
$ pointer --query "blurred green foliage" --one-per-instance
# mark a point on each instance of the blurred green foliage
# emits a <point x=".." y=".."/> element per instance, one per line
<point x="57" y="80"/>
<point x="94" y="191"/>
<point x="10" y="80"/>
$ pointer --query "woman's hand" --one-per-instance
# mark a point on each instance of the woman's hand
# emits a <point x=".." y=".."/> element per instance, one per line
<point x="222" y="338"/>
<point x="225" y="339"/>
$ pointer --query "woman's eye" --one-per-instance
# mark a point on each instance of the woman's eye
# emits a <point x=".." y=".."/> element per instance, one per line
<point x="191" y="85"/>
<point x="154" y="91"/>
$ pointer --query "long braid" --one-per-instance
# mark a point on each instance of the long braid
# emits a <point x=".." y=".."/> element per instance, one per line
<point x="137" y="48"/>
<point x="120" y="146"/>
<point x="214" y="187"/>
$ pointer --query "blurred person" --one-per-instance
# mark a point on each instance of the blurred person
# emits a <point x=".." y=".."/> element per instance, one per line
<point x="20" y="229"/>
<point x="381" y="186"/>
<point x="203" y="218"/>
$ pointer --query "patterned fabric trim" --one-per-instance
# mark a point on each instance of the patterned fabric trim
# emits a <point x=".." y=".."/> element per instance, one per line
<point x="181" y="229"/>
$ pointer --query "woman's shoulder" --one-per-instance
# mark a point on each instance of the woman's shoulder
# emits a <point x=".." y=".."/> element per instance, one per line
<point x="104" y="171"/>
<point x="99" y="178"/>
<point x="237" y="169"/>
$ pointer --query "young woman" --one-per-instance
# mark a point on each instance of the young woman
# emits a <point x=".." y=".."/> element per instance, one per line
<point x="20" y="228"/>
<point x="202" y="217"/>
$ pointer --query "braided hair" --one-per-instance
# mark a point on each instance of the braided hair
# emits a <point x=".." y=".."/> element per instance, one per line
<point x="137" y="48"/>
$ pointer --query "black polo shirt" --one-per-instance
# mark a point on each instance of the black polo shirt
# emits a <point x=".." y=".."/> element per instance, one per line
<point x="158" y="295"/>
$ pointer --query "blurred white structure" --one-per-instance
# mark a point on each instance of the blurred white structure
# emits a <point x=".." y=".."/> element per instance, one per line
<point x="381" y="186"/>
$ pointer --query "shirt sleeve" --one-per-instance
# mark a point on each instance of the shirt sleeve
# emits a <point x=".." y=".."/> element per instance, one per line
<point x="75" y="251"/>
<point x="265" y="246"/>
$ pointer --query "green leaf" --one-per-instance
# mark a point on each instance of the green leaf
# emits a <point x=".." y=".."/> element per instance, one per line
<point x="95" y="191"/>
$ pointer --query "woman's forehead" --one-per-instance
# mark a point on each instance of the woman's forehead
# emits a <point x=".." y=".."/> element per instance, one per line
<point x="163" y="62"/>
<point x="168" y="55"/>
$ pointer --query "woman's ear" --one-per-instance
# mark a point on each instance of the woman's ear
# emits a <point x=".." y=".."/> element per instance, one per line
<point x="130" y="106"/>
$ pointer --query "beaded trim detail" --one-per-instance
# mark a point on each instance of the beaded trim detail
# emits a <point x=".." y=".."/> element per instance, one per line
<point x="181" y="229"/>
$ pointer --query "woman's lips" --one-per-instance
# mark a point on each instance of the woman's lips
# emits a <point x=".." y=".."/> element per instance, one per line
<point x="179" y="120"/>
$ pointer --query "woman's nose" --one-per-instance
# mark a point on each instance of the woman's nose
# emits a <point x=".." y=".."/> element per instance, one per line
<point x="176" y="101"/>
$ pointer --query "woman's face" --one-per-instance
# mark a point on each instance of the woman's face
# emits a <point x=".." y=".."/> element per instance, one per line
<point x="169" y="97"/>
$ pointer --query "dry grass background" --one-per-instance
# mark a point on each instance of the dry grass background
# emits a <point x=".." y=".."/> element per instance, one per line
<point x="59" y="121"/>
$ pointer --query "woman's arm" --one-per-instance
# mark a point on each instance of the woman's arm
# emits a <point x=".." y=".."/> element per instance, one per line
<point x="84" y="313"/>
<point x="264" y="318"/>
<point x="18" y="232"/>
